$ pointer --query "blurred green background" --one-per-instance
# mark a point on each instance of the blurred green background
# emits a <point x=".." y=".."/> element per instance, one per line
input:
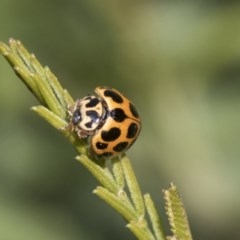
<point x="178" y="61"/>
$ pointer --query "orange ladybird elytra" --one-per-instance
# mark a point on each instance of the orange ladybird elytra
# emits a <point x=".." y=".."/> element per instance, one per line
<point x="110" y="121"/>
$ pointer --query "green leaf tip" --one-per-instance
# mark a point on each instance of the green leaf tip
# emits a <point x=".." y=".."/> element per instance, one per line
<point x="133" y="185"/>
<point x="157" y="224"/>
<point x="176" y="214"/>
<point x="38" y="79"/>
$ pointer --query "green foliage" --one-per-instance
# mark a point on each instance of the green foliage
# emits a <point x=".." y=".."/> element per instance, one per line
<point x="176" y="214"/>
<point x="119" y="187"/>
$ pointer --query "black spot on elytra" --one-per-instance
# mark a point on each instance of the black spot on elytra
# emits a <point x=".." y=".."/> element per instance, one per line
<point x="120" y="146"/>
<point x="112" y="94"/>
<point x="133" y="110"/>
<point x="111" y="135"/>
<point x="101" y="145"/>
<point x="93" y="102"/>
<point x="93" y="115"/>
<point x="76" y="117"/>
<point x="132" y="130"/>
<point x="118" y="115"/>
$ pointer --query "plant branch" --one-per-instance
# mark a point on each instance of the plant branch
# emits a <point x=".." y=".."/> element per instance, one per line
<point x="119" y="187"/>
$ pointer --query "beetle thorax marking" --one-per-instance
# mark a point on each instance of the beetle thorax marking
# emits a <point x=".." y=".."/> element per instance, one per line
<point x="87" y="113"/>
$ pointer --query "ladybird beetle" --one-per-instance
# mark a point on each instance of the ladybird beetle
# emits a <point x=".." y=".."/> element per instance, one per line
<point x="110" y="121"/>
